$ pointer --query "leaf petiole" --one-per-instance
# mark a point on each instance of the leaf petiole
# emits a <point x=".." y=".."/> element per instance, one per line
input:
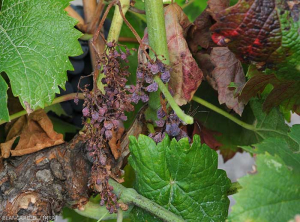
<point x="55" y="101"/>
<point x="185" y="118"/>
<point x="223" y="113"/>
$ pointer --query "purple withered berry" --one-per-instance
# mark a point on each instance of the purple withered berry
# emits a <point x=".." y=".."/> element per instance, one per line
<point x="172" y="129"/>
<point x="85" y="112"/>
<point x="145" y="98"/>
<point x="152" y="87"/>
<point x="165" y="76"/>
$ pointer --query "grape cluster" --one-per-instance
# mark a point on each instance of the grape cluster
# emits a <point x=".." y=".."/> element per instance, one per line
<point x="104" y="113"/>
<point x="168" y="124"/>
<point x="145" y="83"/>
<point x="81" y="78"/>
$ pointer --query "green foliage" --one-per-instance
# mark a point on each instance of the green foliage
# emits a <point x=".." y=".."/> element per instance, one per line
<point x="36" y="39"/>
<point x="4" y="115"/>
<point x="182" y="178"/>
<point x="273" y="191"/>
<point x="280" y="147"/>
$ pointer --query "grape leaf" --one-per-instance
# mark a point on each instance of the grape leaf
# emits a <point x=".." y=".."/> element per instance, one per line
<point x="274" y="189"/>
<point x="272" y="41"/>
<point x="233" y="136"/>
<point x="284" y="92"/>
<point x="216" y="6"/>
<point x="227" y="70"/>
<point x="4" y="115"/>
<point x="36" y="39"/>
<point x="182" y="178"/>
<point x="277" y="146"/>
<point x="186" y="76"/>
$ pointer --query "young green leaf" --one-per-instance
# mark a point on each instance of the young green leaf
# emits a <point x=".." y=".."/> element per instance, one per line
<point x="36" y="38"/>
<point x="182" y="178"/>
<point x="274" y="188"/>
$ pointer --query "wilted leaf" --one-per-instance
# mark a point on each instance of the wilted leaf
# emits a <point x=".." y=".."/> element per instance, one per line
<point x="35" y="132"/>
<point x="284" y="92"/>
<point x="182" y="178"/>
<point x="34" y="49"/>
<point x="199" y="34"/>
<point x="233" y="136"/>
<point x="274" y="189"/>
<point x="227" y="70"/>
<point x="115" y="141"/>
<point x="272" y="41"/>
<point x="216" y="6"/>
<point x="207" y="136"/>
<point x="186" y="76"/>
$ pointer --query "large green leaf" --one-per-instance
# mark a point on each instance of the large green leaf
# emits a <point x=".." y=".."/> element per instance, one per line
<point x="182" y="178"/>
<point x="36" y="38"/>
<point x="272" y="194"/>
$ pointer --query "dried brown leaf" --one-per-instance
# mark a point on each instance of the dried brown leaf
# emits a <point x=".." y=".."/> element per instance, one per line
<point x="36" y="133"/>
<point x="207" y="136"/>
<point x="284" y="92"/>
<point x="115" y="141"/>
<point x="199" y="34"/>
<point x="216" y="6"/>
<point x="228" y="69"/>
<point x="186" y="76"/>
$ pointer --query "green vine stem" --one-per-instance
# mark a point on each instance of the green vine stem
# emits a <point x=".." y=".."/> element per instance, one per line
<point x="223" y="113"/>
<point x="156" y="29"/>
<point x="120" y="215"/>
<point x="186" y="118"/>
<point x="130" y="196"/>
<point x="55" y="101"/>
<point x="95" y="211"/>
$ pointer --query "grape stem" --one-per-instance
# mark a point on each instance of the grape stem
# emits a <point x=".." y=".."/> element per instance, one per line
<point x="95" y="211"/>
<point x="130" y="196"/>
<point x="223" y="113"/>
<point x="55" y="101"/>
<point x="120" y="215"/>
<point x="181" y="115"/>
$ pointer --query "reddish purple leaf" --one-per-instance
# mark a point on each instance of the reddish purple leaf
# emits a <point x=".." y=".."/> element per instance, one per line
<point x="228" y="69"/>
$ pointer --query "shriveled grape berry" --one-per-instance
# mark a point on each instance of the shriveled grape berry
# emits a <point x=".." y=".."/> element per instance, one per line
<point x="172" y="129"/>
<point x="165" y="76"/>
<point x="152" y="87"/>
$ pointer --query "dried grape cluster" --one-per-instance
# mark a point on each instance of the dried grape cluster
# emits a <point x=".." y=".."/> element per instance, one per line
<point x="168" y="121"/>
<point x="145" y="82"/>
<point x="104" y="113"/>
<point x="168" y="124"/>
